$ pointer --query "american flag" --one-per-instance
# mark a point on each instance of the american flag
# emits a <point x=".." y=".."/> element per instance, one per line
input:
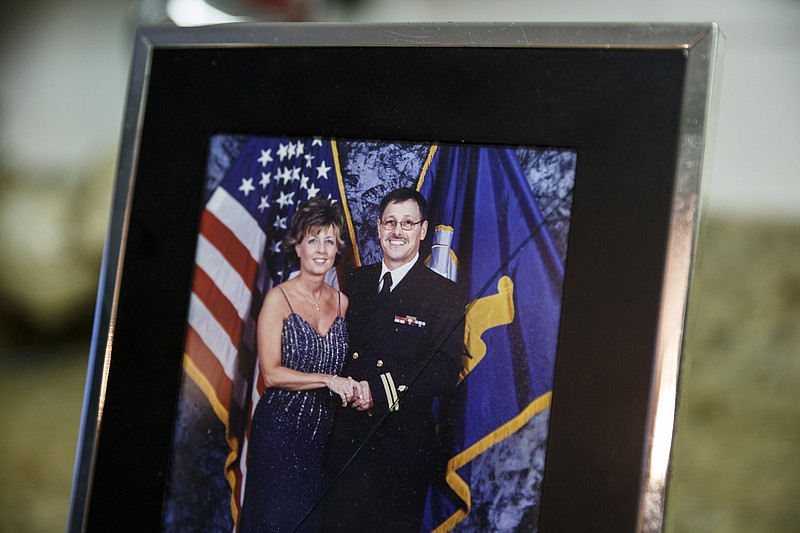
<point x="238" y="259"/>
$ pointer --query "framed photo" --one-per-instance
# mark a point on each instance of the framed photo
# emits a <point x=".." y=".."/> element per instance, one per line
<point x="520" y="375"/>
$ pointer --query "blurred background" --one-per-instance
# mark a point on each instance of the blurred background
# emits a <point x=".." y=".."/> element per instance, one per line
<point x="63" y="77"/>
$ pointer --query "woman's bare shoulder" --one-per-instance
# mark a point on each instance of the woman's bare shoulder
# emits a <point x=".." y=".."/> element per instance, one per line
<point x="344" y="301"/>
<point x="276" y="299"/>
<point x="343" y="296"/>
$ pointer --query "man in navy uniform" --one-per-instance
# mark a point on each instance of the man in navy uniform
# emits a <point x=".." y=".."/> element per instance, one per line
<point x="406" y="328"/>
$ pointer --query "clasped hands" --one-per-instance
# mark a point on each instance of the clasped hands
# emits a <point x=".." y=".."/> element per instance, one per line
<point x="352" y="392"/>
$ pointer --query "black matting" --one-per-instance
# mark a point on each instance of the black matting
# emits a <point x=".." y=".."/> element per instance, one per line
<point x="618" y="108"/>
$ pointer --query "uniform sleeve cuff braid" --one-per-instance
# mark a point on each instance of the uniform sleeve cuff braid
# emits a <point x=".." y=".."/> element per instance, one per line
<point x="391" y="391"/>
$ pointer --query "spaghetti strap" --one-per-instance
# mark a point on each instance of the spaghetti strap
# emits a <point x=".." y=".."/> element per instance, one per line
<point x="287" y="299"/>
<point x="340" y="301"/>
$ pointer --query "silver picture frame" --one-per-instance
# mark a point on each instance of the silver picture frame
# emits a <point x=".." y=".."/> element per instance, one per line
<point x="637" y="103"/>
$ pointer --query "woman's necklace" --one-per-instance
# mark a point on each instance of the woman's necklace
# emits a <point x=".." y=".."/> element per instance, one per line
<point x="307" y="297"/>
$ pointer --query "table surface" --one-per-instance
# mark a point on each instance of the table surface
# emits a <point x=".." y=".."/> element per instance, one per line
<point x="736" y="462"/>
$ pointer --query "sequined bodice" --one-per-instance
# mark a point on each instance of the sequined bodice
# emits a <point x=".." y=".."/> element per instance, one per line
<point x="304" y="349"/>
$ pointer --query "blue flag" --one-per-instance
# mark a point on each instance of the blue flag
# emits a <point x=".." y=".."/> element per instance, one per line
<point x="490" y="237"/>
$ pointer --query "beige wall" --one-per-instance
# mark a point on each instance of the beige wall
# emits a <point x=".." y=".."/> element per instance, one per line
<point x="63" y="71"/>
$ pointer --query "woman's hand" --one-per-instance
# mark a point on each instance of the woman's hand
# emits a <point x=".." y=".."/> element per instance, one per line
<point x="347" y="388"/>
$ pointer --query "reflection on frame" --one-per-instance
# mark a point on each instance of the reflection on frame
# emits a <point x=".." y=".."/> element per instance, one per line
<point x="428" y="409"/>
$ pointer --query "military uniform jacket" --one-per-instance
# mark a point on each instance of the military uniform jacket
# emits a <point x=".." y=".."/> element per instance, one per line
<point x="409" y="348"/>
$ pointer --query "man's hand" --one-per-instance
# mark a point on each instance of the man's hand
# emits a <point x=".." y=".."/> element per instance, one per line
<point x="363" y="400"/>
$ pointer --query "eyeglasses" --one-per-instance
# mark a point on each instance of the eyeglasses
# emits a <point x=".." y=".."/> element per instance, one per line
<point x="407" y="225"/>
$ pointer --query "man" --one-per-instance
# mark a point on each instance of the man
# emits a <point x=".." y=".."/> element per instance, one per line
<point x="406" y="330"/>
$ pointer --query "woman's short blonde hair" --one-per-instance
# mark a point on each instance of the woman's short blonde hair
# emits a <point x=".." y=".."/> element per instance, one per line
<point x="310" y="218"/>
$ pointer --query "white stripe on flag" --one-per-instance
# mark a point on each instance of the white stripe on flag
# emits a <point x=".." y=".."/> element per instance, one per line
<point x="233" y="215"/>
<point x="243" y="467"/>
<point x="224" y="276"/>
<point x="213" y="335"/>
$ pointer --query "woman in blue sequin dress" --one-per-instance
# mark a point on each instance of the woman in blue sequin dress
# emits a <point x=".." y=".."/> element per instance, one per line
<point x="302" y="343"/>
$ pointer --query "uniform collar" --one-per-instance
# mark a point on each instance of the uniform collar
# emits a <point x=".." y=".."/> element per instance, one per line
<point x="398" y="273"/>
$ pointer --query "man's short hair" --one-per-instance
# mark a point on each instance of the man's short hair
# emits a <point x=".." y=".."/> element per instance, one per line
<point x="401" y="195"/>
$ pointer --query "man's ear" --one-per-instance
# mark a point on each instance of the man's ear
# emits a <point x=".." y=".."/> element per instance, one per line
<point x="423" y="230"/>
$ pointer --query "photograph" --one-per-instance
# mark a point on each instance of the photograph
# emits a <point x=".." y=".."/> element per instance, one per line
<point x="371" y="335"/>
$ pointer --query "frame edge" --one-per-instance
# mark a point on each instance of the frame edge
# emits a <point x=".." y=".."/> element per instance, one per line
<point x="689" y="197"/>
<point x="109" y="285"/>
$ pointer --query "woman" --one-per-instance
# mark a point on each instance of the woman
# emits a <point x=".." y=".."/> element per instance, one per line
<point x="302" y="342"/>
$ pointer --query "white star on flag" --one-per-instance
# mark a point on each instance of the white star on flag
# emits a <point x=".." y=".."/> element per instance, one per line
<point x="265" y="179"/>
<point x="264" y="204"/>
<point x="309" y="159"/>
<point x="292" y="150"/>
<point x="317" y="141"/>
<point x="286" y="199"/>
<point x="280" y="222"/>
<point x="332" y="199"/>
<point x="322" y="171"/>
<point x="285" y="175"/>
<point x="301" y="148"/>
<point x="247" y="186"/>
<point x="304" y="182"/>
<point x="266" y="157"/>
<point x="276" y="247"/>
<point x="283" y="151"/>
<point x="312" y="191"/>
<point x="296" y="174"/>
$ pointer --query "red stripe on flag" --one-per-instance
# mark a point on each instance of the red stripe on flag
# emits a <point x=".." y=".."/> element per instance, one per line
<point x="218" y="305"/>
<point x="210" y="367"/>
<point x="228" y="244"/>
